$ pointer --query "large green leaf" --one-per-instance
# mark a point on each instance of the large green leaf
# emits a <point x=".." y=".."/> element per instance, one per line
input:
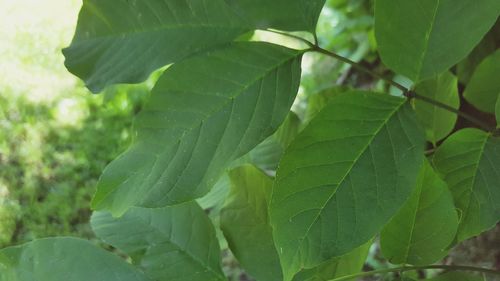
<point x="347" y="264"/>
<point x="64" y="259"/>
<point x="437" y="122"/>
<point x="469" y="161"/>
<point x="425" y="226"/>
<point x="170" y="244"/>
<point x="203" y="113"/>
<point x="290" y="15"/>
<point x="484" y="87"/>
<point x="121" y="41"/>
<point x="362" y="152"/>
<point x="245" y="223"/>
<point x="421" y="39"/>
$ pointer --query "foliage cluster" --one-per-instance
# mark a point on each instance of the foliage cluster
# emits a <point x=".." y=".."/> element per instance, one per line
<point x="364" y="164"/>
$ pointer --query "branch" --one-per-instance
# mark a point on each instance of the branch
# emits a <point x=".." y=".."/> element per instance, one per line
<point x="411" y="268"/>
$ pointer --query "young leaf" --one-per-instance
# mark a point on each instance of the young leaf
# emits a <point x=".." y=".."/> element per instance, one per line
<point x="425" y="226"/>
<point x="484" y="87"/>
<point x="203" y="113"/>
<point x="245" y="223"/>
<point x="362" y="152"/>
<point x="437" y="122"/>
<point x="290" y="15"/>
<point x="63" y="259"/>
<point x="170" y="244"/>
<point x="347" y="264"/>
<point x="421" y="39"/>
<point x="469" y="161"/>
<point x="123" y="41"/>
<point x="456" y="276"/>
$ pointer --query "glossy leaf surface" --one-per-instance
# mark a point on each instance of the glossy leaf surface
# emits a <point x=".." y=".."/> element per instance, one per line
<point x="63" y="259"/>
<point x="362" y="152"/>
<point x="425" y="226"/>
<point x="203" y="113"/>
<point x="175" y="243"/>
<point x="421" y="39"/>
<point x="469" y="161"/>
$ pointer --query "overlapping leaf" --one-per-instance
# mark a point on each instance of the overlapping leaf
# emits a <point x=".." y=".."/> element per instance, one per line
<point x="347" y="264"/>
<point x="469" y="161"/>
<point x="290" y="15"/>
<point x="170" y="244"/>
<point x="203" y="113"/>
<point x="438" y="122"/>
<point x="245" y="223"/>
<point x="121" y="41"/>
<point x="425" y="226"/>
<point x="362" y="152"/>
<point x="63" y="259"/>
<point x="484" y="87"/>
<point x="421" y="39"/>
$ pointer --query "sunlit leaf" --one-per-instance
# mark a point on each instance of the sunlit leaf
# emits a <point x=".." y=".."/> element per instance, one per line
<point x="362" y="152"/>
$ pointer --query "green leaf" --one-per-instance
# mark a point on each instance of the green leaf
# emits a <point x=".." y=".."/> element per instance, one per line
<point x="289" y="15"/>
<point x="268" y="153"/>
<point x="484" y="87"/>
<point x="421" y="39"/>
<point x="437" y="122"/>
<point x="123" y="41"/>
<point x="456" y="276"/>
<point x="64" y="259"/>
<point x="173" y="243"/>
<point x="362" y="152"/>
<point x="425" y="226"/>
<point x="203" y="113"/>
<point x="245" y="223"/>
<point x="469" y="161"/>
<point x="347" y="264"/>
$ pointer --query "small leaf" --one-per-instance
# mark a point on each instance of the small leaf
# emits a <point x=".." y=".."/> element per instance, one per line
<point x="421" y="39"/>
<point x="456" y="276"/>
<point x="483" y="89"/>
<point x="347" y="264"/>
<point x="363" y="151"/>
<point x="469" y="161"/>
<point x="245" y="223"/>
<point x="289" y="15"/>
<point x="123" y="41"/>
<point x="203" y="113"/>
<point x="170" y="244"/>
<point x="425" y="226"/>
<point x="64" y="259"/>
<point x="437" y="122"/>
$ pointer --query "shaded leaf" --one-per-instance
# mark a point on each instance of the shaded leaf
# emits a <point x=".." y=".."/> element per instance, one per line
<point x="289" y="15"/>
<point x="437" y="122"/>
<point x="203" y="113"/>
<point x="456" y="276"/>
<point x="425" y="226"/>
<point x="362" y="152"/>
<point x="421" y="39"/>
<point x="245" y="223"/>
<point x="483" y="89"/>
<point x="497" y="111"/>
<point x="469" y="161"/>
<point x="347" y="264"/>
<point x="63" y="259"/>
<point x="170" y="244"/>
<point x="123" y="41"/>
